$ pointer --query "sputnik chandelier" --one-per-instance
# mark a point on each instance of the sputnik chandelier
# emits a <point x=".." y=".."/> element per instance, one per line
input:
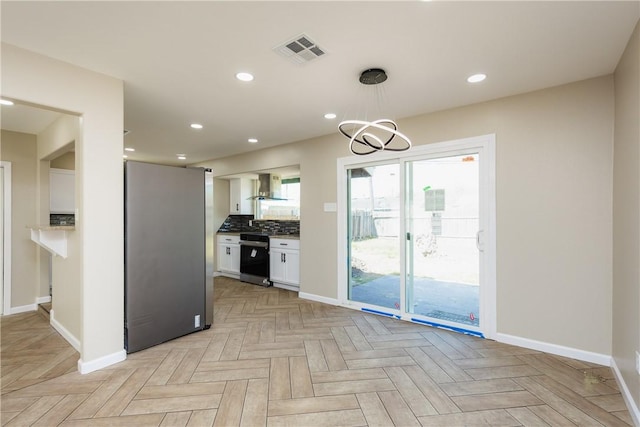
<point x="366" y="137"/>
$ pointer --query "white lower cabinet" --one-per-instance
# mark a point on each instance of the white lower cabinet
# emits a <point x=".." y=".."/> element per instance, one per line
<point x="284" y="263"/>
<point x="229" y="254"/>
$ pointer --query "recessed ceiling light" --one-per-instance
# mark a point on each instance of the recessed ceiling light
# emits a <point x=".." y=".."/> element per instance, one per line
<point x="6" y="102"/>
<point x="129" y="149"/>
<point x="125" y="156"/>
<point x="196" y="125"/>
<point x="245" y="77"/>
<point x="330" y="116"/>
<point x="182" y="158"/>
<point x="476" y="78"/>
<point x="252" y="140"/>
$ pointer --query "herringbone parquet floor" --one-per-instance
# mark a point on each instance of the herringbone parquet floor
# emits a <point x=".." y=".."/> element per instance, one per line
<point x="273" y="359"/>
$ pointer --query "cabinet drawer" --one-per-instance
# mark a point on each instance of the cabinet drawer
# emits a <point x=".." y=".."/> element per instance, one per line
<point x="285" y="243"/>
<point x="228" y="240"/>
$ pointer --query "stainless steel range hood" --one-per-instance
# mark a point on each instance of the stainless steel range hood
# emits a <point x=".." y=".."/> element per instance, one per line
<point x="269" y="187"/>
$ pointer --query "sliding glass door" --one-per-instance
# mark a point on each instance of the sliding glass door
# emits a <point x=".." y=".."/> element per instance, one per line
<point x="374" y="226"/>
<point x="416" y="234"/>
<point x="442" y="220"/>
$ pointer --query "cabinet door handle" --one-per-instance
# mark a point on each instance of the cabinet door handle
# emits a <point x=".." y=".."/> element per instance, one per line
<point x="284" y="256"/>
<point x="237" y="207"/>
<point x="281" y="257"/>
<point x="228" y="251"/>
<point x="284" y="244"/>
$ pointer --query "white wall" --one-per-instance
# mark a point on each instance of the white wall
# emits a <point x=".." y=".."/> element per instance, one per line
<point x="626" y="216"/>
<point x="554" y="180"/>
<point x="220" y="211"/>
<point x="57" y="138"/>
<point x="65" y="161"/>
<point x="20" y="149"/>
<point x="98" y="99"/>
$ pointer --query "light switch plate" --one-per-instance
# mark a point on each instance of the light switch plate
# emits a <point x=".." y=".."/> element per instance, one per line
<point x="330" y="207"/>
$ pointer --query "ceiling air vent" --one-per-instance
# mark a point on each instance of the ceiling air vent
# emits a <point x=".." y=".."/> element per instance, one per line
<point x="300" y="49"/>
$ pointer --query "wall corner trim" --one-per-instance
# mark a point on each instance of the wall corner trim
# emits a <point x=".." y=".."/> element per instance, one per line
<point x="71" y="339"/>
<point x="626" y="394"/>
<point x="559" y="350"/>
<point x="318" y="298"/>
<point x="101" y="362"/>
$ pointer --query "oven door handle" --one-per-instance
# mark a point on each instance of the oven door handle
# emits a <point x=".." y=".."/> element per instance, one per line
<point x="254" y="244"/>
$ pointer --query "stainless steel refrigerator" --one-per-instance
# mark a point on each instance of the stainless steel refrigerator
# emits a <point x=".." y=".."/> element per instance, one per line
<point x="166" y="285"/>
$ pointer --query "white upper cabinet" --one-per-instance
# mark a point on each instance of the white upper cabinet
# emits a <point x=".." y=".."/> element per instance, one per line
<point x="62" y="191"/>
<point x="240" y="192"/>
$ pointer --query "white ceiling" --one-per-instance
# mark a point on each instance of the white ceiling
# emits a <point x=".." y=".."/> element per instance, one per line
<point x="178" y="60"/>
<point x="26" y="119"/>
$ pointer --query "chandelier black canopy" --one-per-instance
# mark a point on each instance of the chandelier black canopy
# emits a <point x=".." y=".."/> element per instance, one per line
<point x="366" y="137"/>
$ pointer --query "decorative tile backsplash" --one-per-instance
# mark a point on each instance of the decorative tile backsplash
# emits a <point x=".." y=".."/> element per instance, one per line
<point x="277" y="227"/>
<point x="240" y="224"/>
<point x="62" y="219"/>
<point x="236" y="224"/>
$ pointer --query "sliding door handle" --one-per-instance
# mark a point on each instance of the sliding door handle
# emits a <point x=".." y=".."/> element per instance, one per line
<point x="478" y="240"/>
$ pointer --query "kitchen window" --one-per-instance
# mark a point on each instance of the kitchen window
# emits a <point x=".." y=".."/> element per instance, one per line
<point x="286" y="209"/>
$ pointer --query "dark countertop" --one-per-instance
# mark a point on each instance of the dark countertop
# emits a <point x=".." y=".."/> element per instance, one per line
<point x="273" y="235"/>
<point x="285" y="236"/>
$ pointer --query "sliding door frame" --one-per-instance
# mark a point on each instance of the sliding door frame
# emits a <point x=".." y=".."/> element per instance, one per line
<point x="486" y="145"/>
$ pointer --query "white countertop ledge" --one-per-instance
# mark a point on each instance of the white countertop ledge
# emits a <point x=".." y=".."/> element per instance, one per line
<point x="53" y="238"/>
<point x="52" y="227"/>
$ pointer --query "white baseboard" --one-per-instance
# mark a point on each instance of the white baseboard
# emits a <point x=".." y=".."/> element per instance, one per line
<point x="93" y="365"/>
<point x="71" y="339"/>
<point x="573" y="353"/>
<point x="318" y="298"/>
<point x="101" y="362"/>
<point x="24" y="308"/>
<point x="29" y="307"/>
<point x="626" y="394"/>
<point x="287" y="287"/>
<point x="43" y="300"/>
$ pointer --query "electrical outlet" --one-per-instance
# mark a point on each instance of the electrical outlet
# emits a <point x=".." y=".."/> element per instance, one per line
<point x="196" y="321"/>
<point x="638" y="362"/>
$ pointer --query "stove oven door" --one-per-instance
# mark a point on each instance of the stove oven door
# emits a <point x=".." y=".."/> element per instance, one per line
<point x="254" y="260"/>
